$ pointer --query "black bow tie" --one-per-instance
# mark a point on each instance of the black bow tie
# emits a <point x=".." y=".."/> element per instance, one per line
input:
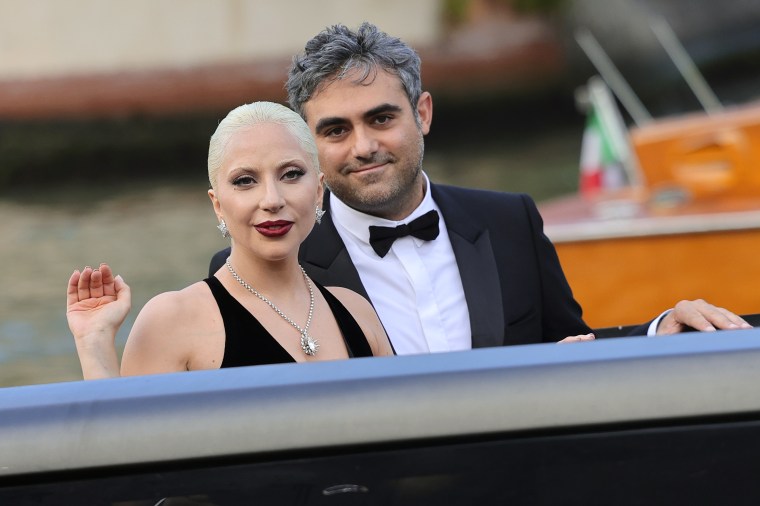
<point x="425" y="227"/>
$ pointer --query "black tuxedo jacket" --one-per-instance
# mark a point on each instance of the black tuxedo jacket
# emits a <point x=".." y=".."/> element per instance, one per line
<point x="515" y="289"/>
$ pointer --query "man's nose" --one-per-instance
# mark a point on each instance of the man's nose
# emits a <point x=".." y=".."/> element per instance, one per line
<point x="365" y="144"/>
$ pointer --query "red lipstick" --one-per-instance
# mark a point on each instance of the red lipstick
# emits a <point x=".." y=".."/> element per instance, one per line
<point x="273" y="228"/>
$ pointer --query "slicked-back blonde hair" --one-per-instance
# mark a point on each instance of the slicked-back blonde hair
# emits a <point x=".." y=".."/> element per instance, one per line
<point x="252" y="114"/>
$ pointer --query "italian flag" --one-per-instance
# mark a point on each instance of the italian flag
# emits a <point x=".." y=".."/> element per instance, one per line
<point x="601" y="164"/>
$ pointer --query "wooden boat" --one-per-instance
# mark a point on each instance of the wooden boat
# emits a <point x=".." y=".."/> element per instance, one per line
<point x="686" y="225"/>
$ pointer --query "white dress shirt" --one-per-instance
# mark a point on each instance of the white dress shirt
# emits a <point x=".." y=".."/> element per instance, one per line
<point x="416" y="288"/>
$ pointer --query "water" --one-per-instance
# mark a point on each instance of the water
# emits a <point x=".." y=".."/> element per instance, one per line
<point x="160" y="236"/>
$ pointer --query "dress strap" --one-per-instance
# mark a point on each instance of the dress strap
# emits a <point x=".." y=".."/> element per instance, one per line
<point x="246" y="341"/>
<point x="353" y="336"/>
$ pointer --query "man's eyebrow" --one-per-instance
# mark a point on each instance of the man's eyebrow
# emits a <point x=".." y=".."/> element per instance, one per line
<point x="331" y="121"/>
<point x="381" y="109"/>
<point x="325" y="123"/>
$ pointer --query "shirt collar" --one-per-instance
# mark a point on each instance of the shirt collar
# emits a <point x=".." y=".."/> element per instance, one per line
<point x="357" y="223"/>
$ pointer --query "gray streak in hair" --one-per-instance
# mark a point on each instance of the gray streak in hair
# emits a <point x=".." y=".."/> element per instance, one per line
<point x="337" y="50"/>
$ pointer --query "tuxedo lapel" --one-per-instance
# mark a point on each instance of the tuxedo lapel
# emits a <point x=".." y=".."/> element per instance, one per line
<point x="325" y="258"/>
<point x="471" y="243"/>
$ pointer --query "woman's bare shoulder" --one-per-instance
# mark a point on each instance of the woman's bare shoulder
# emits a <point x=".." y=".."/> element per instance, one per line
<point x="187" y="302"/>
<point x="171" y="329"/>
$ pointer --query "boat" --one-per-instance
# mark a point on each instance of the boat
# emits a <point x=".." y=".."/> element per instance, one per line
<point x="681" y="219"/>
<point x="627" y="421"/>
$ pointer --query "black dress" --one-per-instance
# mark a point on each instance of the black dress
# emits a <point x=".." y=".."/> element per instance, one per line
<point x="247" y="342"/>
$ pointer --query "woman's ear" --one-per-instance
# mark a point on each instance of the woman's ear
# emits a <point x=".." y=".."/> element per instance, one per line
<point x="215" y="203"/>
<point x="320" y="189"/>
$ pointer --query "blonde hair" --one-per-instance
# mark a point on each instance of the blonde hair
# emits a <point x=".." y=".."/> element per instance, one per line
<point x="252" y="114"/>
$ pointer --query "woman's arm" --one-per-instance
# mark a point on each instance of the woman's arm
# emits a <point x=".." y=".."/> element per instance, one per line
<point x="96" y="305"/>
<point x="161" y="338"/>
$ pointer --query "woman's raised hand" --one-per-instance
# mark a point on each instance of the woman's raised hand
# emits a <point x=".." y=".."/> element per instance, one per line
<point x="96" y="305"/>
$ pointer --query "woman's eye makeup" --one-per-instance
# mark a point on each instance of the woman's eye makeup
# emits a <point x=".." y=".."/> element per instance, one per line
<point x="293" y="173"/>
<point x="243" y="180"/>
<point x="288" y="174"/>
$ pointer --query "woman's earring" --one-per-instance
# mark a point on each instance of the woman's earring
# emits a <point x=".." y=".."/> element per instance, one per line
<point x="223" y="229"/>
<point x="320" y="213"/>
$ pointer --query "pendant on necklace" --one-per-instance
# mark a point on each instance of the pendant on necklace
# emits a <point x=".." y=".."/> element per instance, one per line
<point x="309" y="345"/>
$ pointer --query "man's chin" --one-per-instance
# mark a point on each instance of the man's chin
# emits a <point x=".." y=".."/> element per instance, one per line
<point x="376" y="204"/>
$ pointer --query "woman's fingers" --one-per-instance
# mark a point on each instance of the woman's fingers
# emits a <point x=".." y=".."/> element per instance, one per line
<point x="96" y="284"/>
<point x="123" y="292"/>
<point x="72" y="291"/>
<point x="91" y="283"/>
<point x="109" y="287"/>
<point x="83" y="287"/>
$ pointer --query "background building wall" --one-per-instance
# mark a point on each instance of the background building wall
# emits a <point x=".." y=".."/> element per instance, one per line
<point x="50" y="38"/>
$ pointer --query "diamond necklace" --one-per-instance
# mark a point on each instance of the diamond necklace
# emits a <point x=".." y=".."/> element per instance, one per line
<point x="309" y="345"/>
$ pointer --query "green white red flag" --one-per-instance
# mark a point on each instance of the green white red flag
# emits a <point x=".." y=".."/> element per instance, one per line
<point x="601" y="166"/>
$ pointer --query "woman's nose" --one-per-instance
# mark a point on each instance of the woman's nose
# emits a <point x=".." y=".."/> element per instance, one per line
<point x="272" y="199"/>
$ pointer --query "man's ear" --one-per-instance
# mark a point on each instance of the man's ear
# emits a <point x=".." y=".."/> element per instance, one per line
<point x="425" y="111"/>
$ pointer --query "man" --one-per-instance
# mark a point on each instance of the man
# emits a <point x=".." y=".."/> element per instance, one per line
<point x="477" y="269"/>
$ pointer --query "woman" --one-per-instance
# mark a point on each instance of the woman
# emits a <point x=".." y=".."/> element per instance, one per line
<point x="260" y="308"/>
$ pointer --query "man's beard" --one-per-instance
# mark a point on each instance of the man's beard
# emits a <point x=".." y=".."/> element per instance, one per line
<point x="393" y="195"/>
